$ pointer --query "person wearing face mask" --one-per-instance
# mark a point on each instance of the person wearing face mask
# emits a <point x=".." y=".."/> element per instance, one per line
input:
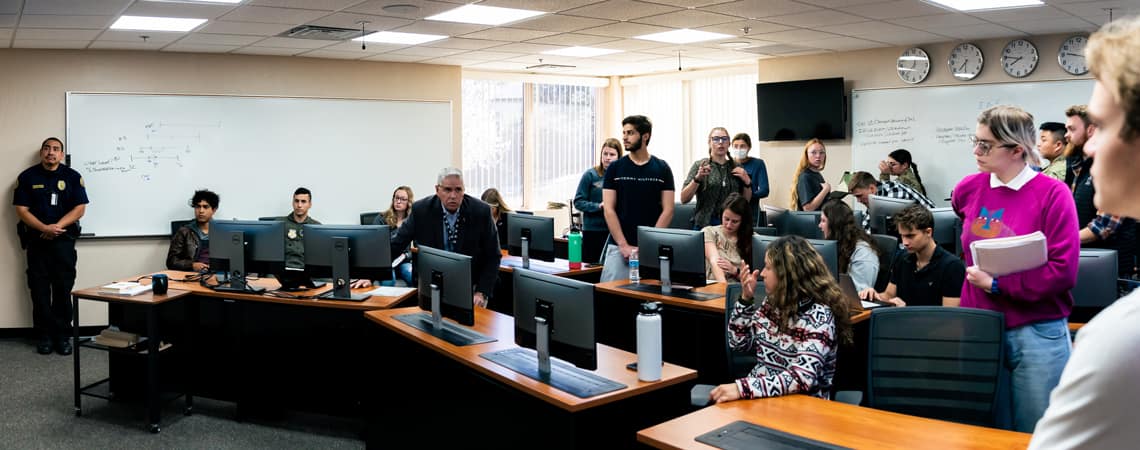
<point x="754" y="167"/>
<point x="712" y="179"/>
<point x="588" y="199"/>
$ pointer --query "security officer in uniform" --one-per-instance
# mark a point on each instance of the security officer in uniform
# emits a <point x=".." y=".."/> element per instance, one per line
<point x="50" y="198"/>
<point x="295" y="227"/>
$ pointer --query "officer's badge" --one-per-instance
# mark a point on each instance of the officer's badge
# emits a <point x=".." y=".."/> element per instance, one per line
<point x="81" y="183"/>
<point x="61" y="185"/>
<point x="292" y="234"/>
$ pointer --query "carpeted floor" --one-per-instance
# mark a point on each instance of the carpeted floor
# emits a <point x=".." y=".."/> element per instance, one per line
<point x="36" y="403"/>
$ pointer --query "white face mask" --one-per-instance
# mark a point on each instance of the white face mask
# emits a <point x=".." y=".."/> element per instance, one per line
<point x="739" y="153"/>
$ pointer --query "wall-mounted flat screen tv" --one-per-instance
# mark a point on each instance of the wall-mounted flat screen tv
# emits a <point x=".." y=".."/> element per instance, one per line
<point x="801" y="110"/>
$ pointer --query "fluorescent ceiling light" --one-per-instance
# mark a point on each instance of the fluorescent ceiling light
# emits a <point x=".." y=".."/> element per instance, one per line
<point x="581" y="52"/>
<point x="683" y="36"/>
<point x="196" y="1"/>
<point x="394" y="37"/>
<point x="975" y="5"/>
<point x="143" y="23"/>
<point x="484" y="15"/>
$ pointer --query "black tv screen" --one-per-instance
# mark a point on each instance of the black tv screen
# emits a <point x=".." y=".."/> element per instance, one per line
<point x="801" y="110"/>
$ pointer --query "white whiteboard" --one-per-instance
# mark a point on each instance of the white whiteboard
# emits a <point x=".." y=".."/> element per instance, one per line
<point x="935" y="123"/>
<point x="143" y="155"/>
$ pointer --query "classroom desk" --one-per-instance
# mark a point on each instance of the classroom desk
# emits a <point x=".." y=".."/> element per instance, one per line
<point x="477" y="403"/>
<point x="251" y="349"/>
<point x="503" y="301"/>
<point x="693" y="332"/>
<point x="149" y="303"/>
<point x="832" y="422"/>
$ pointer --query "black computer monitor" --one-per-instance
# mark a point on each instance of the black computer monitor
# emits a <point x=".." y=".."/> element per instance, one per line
<point x="947" y="229"/>
<point x="241" y="247"/>
<point x="804" y="224"/>
<point x="774" y="215"/>
<point x="1096" y="278"/>
<point x="685" y="250"/>
<point x="828" y="249"/>
<point x="344" y="252"/>
<point x="880" y="209"/>
<point x="450" y="273"/>
<point x="538" y="231"/>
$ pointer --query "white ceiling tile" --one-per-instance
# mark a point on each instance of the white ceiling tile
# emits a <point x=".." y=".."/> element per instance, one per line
<point x="293" y="43"/>
<point x="173" y="9"/>
<point x="217" y="39"/>
<point x="631" y="45"/>
<point x="688" y="18"/>
<point x="40" y="43"/>
<point x="792" y="36"/>
<point x="750" y="9"/>
<point x="246" y="28"/>
<point x="267" y="14"/>
<point x="537" y="5"/>
<point x="975" y="32"/>
<point x="441" y="28"/>
<point x="348" y="20"/>
<point x="464" y="44"/>
<point x="531" y="60"/>
<point x="10" y="6"/>
<point x="838" y="3"/>
<point x="153" y="37"/>
<point x="628" y="57"/>
<point x="754" y="27"/>
<point x="55" y="34"/>
<point x="388" y="57"/>
<point x="273" y="51"/>
<point x="334" y="54"/>
<point x="324" y="5"/>
<point x="1096" y="10"/>
<point x="893" y="10"/>
<point x="427" y="52"/>
<point x="486" y="55"/>
<point x="199" y="48"/>
<point x="452" y="61"/>
<point x="844" y="44"/>
<point x="8" y="20"/>
<point x="692" y="3"/>
<point x="573" y="39"/>
<point x="937" y="21"/>
<point x="508" y="34"/>
<point x="424" y="8"/>
<point x="620" y="10"/>
<point x="885" y="32"/>
<point x="498" y="65"/>
<point x="371" y="48"/>
<point x="527" y="48"/>
<point x="624" y="30"/>
<point x="814" y="19"/>
<point x="125" y="45"/>
<point x="1050" y="26"/>
<point x="1021" y="14"/>
<point x="76" y="7"/>
<point x="45" y="21"/>
<point x="560" y="22"/>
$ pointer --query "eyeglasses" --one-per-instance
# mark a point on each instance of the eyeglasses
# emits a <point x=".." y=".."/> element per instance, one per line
<point x="400" y="199"/>
<point x="720" y="139"/>
<point x="986" y="146"/>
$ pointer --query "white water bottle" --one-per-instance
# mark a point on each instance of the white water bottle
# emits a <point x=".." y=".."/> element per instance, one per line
<point x="649" y="342"/>
<point x="634" y="267"/>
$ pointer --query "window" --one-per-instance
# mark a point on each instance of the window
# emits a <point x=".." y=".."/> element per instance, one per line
<point x="724" y="101"/>
<point x="531" y="141"/>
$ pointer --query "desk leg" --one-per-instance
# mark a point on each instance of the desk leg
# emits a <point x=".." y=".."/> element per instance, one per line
<point x="75" y="353"/>
<point x="190" y="311"/>
<point x="152" y="399"/>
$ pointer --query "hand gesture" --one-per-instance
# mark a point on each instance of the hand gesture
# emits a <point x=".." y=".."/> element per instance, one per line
<point x="703" y="171"/>
<point x="884" y="167"/>
<point x="739" y="172"/>
<point x="479" y="300"/>
<point x="747" y="281"/>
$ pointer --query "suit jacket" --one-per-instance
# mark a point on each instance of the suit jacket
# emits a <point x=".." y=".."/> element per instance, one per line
<point x="478" y="237"/>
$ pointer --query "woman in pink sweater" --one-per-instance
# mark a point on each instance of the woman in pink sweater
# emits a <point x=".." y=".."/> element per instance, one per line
<point x="1008" y="198"/>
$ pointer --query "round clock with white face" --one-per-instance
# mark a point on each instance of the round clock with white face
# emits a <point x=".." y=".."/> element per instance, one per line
<point x="965" y="62"/>
<point x="913" y="65"/>
<point x="1019" y="58"/>
<point x="1071" y="55"/>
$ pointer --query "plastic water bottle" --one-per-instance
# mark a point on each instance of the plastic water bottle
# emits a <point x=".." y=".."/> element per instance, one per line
<point x="634" y="267"/>
<point x="575" y="249"/>
<point x="649" y="342"/>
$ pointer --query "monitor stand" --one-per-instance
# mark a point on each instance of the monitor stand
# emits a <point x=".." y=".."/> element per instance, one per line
<point x="342" y="284"/>
<point x="537" y="366"/>
<point x="434" y="324"/>
<point x="236" y="279"/>
<point x="525" y="249"/>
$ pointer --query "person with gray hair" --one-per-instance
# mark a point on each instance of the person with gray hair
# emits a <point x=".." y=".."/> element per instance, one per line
<point x="456" y="222"/>
<point x="1008" y="198"/>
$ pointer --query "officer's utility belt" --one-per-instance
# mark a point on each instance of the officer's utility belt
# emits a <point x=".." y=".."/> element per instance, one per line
<point x="27" y="234"/>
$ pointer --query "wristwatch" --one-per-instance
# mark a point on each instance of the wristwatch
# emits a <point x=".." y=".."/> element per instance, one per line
<point x="994" y="287"/>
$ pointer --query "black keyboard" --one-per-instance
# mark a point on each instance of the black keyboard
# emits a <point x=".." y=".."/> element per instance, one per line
<point x="563" y="376"/>
<point x="454" y="334"/>
<point x="741" y="435"/>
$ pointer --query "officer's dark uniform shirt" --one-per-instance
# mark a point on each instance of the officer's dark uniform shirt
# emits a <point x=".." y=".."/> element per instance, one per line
<point x="35" y="187"/>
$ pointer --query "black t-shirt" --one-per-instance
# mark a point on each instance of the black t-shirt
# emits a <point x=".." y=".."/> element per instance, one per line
<point x="809" y="184"/>
<point x="36" y="187"/>
<point x="942" y="277"/>
<point x="638" y="192"/>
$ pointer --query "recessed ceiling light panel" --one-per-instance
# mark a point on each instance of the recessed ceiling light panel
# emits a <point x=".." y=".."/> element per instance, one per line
<point x="977" y="5"/>
<point x="143" y="23"/>
<point x="484" y="15"/>
<point x="581" y="52"/>
<point x="683" y="36"/>
<point x="393" y="37"/>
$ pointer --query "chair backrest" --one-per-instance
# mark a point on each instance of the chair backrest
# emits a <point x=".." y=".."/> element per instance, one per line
<point x="761" y="217"/>
<point x="936" y="362"/>
<point x="271" y="218"/>
<point x="739" y="363"/>
<point x="683" y="216"/>
<point x="367" y="218"/>
<point x="804" y="224"/>
<point x="176" y="224"/>
<point x="767" y="231"/>
<point x="1096" y="278"/>
<point x="888" y="250"/>
<point x="859" y="215"/>
<point x="947" y="230"/>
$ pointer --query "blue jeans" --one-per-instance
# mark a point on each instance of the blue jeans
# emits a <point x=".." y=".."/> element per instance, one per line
<point x="1035" y="354"/>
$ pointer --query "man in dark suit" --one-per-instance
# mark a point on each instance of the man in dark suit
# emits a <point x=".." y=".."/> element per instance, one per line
<point x="455" y="222"/>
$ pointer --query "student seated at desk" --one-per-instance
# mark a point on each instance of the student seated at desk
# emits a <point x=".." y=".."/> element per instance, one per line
<point x="928" y="275"/>
<point x="797" y="330"/>
<point x="190" y="245"/>
<point x="858" y="254"/>
<point x="729" y="244"/>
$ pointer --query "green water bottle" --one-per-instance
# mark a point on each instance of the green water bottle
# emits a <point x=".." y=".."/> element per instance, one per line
<point x="575" y="248"/>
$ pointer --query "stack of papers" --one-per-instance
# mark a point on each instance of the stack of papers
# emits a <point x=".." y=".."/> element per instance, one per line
<point x="1003" y="256"/>
<point x="124" y="288"/>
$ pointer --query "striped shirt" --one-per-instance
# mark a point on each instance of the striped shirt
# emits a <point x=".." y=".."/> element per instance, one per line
<point x="895" y="189"/>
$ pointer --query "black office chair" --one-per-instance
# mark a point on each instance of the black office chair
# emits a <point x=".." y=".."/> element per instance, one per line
<point x="936" y="362"/>
<point x="683" y="216"/>
<point x="948" y="230"/>
<point x="859" y="215"/>
<point x="761" y="217"/>
<point x="767" y="231"/>
<point x="176" y="224"/>
<point x="740" y="364"/>
<point x="368" y="218"/>
<point x="271" y="218"/>
<point x="888" y="251"/>
<point x="1096" y="285"/>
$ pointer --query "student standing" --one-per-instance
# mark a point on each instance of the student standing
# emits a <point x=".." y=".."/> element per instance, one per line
<point x="811" y="189"/>
<point x="757" y="171"/>
<point x="713" y="179"/>
<point x="588" y="200"/>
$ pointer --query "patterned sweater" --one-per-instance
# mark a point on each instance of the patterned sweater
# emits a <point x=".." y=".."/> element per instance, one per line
<point x="799" y="361"/>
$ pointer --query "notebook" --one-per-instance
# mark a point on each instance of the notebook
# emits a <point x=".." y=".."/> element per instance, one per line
<point x="1003" y="256"/>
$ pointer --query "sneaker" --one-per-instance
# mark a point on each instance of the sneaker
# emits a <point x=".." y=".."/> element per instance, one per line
<point x="44" y="347"/>
<point x="63" y="346"/>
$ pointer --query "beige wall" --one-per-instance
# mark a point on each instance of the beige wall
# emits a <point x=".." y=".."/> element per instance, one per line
<point x="871" y="69"/>
<point x="32" y="88"/>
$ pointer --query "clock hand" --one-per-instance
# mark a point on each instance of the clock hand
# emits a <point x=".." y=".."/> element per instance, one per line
<point x="1074" y="54"/>
<point x="1015" y="60"/>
